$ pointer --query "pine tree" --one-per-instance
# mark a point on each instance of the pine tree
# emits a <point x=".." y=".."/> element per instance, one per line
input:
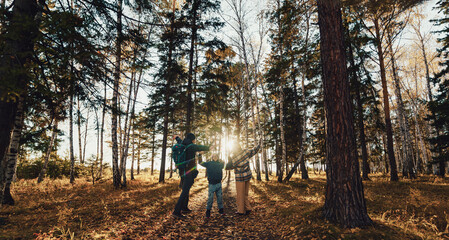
<point x="345" y="201"/>
<point x="439" y="106"/>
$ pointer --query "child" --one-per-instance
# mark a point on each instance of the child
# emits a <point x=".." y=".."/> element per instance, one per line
<point x="214" y="176"/>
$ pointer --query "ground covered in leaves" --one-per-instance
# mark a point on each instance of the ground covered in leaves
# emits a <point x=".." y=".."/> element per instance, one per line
<point x="417" y="209"/>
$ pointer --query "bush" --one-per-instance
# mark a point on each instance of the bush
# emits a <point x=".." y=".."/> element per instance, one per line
<point x="56" y="168"/>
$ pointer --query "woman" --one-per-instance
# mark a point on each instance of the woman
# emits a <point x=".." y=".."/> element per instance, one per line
<point x="242" y="177"/>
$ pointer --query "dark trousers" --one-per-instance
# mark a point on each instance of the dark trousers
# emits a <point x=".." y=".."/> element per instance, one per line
<point x="183" y="200"/>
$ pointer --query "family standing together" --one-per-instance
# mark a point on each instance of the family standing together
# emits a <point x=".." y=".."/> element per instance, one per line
<point x="214" y="168"/>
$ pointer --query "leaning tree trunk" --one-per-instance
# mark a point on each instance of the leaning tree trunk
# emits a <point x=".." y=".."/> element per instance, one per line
<point x="49" y="150"/>
<point x="389" y="131"/>
<point x="11" y="157"/>
<point x="345" y="201"/>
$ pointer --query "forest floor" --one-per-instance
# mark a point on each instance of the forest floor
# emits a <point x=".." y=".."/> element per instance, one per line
<point x="417" y="209"/>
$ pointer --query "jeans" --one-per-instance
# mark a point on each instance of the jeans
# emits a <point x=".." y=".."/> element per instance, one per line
<point x="183" y="200"/>
<point x="215" y="188"/>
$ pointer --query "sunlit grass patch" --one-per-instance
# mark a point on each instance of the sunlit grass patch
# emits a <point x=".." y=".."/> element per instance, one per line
<point x="409" y="209"/>
<point x="59" y="208"/>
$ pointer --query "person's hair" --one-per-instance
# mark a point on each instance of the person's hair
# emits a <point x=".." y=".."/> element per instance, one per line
<point x="190" y="136"/>
<point x="215" y="157"/>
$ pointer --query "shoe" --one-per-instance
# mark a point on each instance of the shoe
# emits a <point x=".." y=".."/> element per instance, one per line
<point x="178" y="216"/>
<point x="208" y="213"/>
<point x="221" y="211"/>
<point x="240" y="214"/>
<point x="247" y="212"/>
<point x="186" y="210"/>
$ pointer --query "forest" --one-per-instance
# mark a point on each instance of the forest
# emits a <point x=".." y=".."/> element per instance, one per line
<point x="339" y="109"/>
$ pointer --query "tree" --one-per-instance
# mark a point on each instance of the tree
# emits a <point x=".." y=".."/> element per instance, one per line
<point x="345" y="201"/>
<point x="17" y="47"/>
<point x="383" y="15"/>
<point x="356" y="39"/>
<point x="439" y="106"/>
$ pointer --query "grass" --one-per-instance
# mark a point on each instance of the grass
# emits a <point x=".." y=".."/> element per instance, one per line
<point x="417" y="209"/>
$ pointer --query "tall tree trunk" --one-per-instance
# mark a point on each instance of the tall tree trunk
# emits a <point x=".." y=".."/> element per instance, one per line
<point x="418" y="131"/>
<point x="116" y="179"/>
<point x="132" y="155"/>
<point x="126" y="132"/>
<point x="429" y="92"/>
<point x="271" y="120"/>
<point x="355" y="80"/>
<point x="408" y="167"/>
<point x="153" y="142"/>
<point x="139" y="146"/>
<point x="18" y="51"/>
<point x="102" y="131"/>
<point x="281" y="125"/>
<point x="172" y="143"/>
<point x="170" y="78"/>
<point x="72" y="154"/>
<point x="11" y="161"/>
<point x="78" y="123"/>
<point x="389" y="131"/>
<point x="193" y="36"/>
<point x="85" y="136"/>
<point x="261" y="135"/>
<point x="49" y="150"/>
<point x="300" y="129"/>
<point x="345" y="201"/>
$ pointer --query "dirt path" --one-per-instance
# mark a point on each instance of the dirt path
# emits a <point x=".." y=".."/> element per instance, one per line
<point x="197" y="226"/>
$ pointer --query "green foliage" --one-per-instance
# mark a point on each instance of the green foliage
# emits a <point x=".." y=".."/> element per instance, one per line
<point x="56" y="168"/>
<point x="439" y="107"/>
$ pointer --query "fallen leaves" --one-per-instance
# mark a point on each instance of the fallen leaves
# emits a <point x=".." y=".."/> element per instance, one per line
<point x="280" y="211"/>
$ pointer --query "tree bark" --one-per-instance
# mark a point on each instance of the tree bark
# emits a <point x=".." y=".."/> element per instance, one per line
<point x="133" y="155"/>
<point x="18" y="52"/>
<point x="49" y="150"/>
<point x="345" y="201"/>
<point x="355" y="79"/>
<point x="300" y="129"/>
<point x="193" y="36"/>
<point x="116" y="179"/>
<point x="102" y="132"/>
<point x="11" y="161"/>
<point x="78" y="123"/>
<point x="408" y="166"/>
<point x="72" y="154"/>
<point x="389" y="131"/>
<point x="153" y="142"/>
<point x="170" y="78"/>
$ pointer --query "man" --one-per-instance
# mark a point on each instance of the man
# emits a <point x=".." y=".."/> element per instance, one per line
<point x="188" y="174"/>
